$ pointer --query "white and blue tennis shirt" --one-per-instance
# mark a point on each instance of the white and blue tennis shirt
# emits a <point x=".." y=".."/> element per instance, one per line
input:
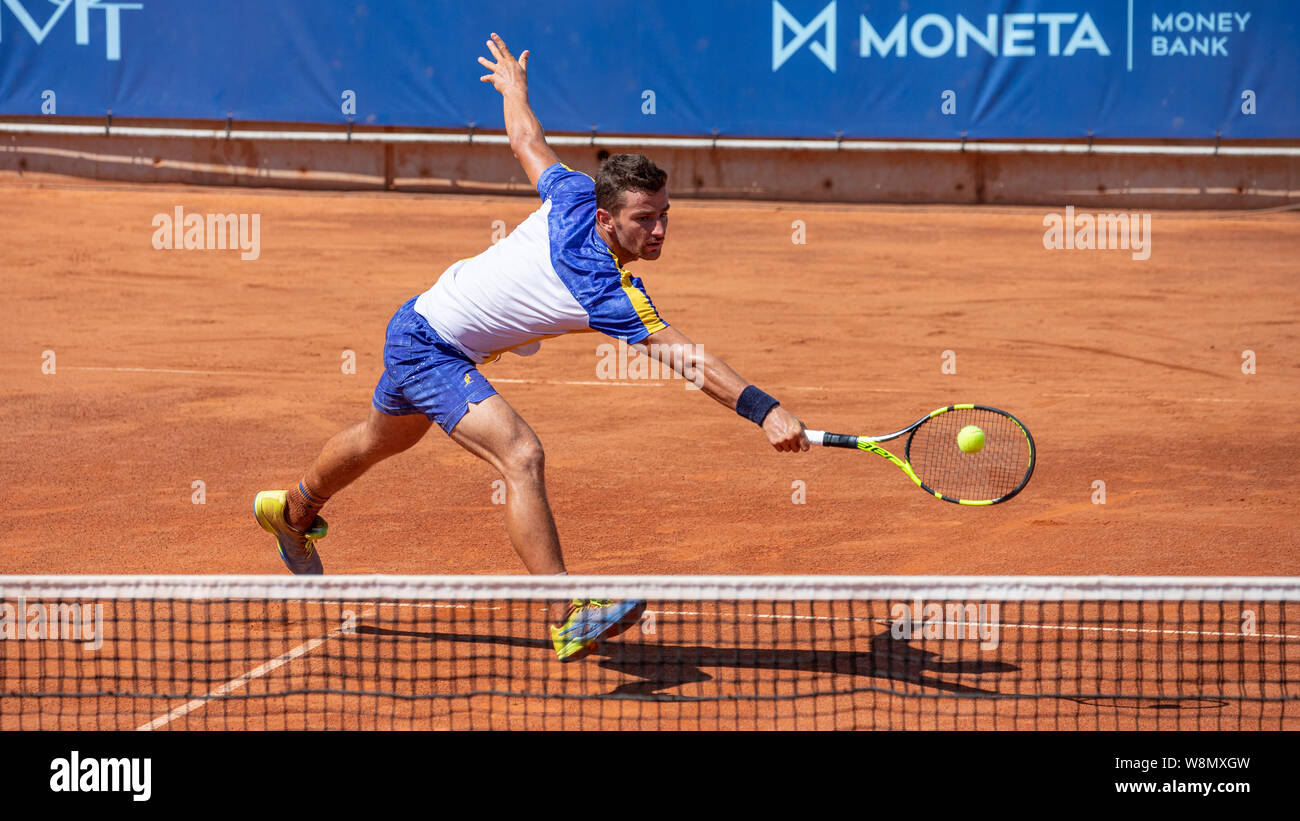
<point x="552" y="275"/>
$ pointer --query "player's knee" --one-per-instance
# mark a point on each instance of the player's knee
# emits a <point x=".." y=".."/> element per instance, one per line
<point x="524" y="458"/>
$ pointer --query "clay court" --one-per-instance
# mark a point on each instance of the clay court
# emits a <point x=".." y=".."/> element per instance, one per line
<point x="177" y="367"/>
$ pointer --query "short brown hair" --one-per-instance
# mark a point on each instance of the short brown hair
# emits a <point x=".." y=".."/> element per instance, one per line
<point x="626" y="172"/>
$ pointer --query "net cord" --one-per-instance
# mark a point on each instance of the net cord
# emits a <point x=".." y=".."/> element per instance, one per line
<point x="769" y="588"/>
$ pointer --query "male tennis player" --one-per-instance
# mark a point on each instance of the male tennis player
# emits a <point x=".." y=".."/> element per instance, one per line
<point x="560" y="271"/>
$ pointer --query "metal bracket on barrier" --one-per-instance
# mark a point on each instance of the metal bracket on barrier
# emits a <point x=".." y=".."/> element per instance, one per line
<point x="230" y="121"/>
<point x="108" y="122"/>
<point x="350" y="129"/>
<point x="963" y="141"/>
<point x="1217" y="133"/>
<point x="593" y="134"/>
<point x="1090" y="141"/>
<point x="472" y="123"/>
<point x="839" y="139"/>
<point x="715" y="137"/>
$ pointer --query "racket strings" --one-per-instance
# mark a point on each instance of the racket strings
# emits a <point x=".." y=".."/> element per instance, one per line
<point x="1000" y="468"/>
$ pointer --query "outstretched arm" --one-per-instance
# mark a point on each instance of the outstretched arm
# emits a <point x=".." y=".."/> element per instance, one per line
<point x="510" y="77"/>
<point x="720" y="383"/>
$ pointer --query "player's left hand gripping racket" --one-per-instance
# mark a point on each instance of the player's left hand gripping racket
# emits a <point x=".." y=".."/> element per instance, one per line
<point x="933" y="459"/>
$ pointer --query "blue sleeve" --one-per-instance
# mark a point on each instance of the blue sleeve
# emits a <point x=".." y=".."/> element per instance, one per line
<point x="615" y="301"/>
<point x="625" y="311"/>
<point x="559" y="182"/>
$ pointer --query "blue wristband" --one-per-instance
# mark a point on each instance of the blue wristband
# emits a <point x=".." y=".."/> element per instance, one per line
<point x="755" y="405"/>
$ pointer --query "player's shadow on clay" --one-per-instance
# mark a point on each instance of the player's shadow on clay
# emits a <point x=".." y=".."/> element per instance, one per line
<point x="661" y="668"/>
<point x="664" y="666"/>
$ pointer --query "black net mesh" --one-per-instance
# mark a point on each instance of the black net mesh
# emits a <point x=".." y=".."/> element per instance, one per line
<point x="757" y="653"/>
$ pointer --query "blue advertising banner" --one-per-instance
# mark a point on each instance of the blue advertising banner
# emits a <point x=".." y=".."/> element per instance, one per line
<point x="783" y="68"/>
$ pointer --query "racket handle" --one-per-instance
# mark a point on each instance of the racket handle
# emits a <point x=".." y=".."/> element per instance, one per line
<point x="831" y="440"/>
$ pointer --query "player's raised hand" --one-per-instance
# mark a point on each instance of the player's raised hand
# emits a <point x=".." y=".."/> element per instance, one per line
<point x="508" y="75"/>
<point x="784" y="430"/>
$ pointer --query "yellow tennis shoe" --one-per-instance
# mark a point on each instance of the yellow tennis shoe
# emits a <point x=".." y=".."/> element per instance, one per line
<point x="297" y="549"/>
<point x="590" y="621"/>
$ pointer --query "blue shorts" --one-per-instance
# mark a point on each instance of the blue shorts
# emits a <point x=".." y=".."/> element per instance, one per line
<point x="425" y="374"/>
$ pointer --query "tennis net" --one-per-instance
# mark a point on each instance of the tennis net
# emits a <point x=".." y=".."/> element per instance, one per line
<point x="710" y="652"/>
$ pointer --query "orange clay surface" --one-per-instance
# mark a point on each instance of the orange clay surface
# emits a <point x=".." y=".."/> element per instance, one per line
<point x="180" y="366"/>
<point x="177" y="367"/>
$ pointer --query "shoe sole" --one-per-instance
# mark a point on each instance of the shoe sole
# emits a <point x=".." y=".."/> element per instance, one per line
<point x="265" y="524"/>
<point x="581" y="654"/>
<point x="627" y="622"/>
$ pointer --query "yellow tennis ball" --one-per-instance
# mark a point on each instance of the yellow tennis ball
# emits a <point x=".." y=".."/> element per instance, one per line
<point x="971" y="439"/>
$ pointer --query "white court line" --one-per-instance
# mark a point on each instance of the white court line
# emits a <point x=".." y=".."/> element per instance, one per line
<point x="628" y="383"/>
<point x="601" y="383"/>
<point x="273" y="373"/>
<point x="1199" y="399"/>
<point x="239" y="681"/>
<point x="999" y="625"/>
<point x="654" y="384"/>
<point x="170" y="370"/>
<point x="642" y="384"/>
<point x="1156" y="398"/>
<point x="883" y="621"/>
<point x="615" y="383"/>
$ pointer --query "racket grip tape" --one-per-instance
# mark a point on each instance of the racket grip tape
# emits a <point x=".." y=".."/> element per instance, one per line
<point x="831" y="440"/>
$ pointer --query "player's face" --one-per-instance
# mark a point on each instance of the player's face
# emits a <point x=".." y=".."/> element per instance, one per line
<point x="642" y="224"/>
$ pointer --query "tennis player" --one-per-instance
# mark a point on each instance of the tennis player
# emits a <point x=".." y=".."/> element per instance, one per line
<point x="561" y="271"/>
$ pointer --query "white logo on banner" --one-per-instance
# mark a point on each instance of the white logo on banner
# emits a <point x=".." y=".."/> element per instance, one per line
<point x="1056" y="34"/>
<point x="781" y="51"/>
<point x="1185" y="33"/>
<point x="1008" y="35"/>
<point x="81" y="21"/>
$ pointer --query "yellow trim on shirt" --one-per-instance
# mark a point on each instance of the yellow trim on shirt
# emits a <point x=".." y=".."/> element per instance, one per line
<point x="640" y="302"/>
<point x="644" y="310"/>
<point x="583" y="173"/>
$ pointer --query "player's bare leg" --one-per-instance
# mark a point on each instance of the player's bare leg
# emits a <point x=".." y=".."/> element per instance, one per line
<point x="350" y="453"/>
<point x="495" y="433"/>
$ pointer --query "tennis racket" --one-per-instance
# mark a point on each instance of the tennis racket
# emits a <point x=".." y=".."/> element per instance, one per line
<point x="933" y="460"/>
